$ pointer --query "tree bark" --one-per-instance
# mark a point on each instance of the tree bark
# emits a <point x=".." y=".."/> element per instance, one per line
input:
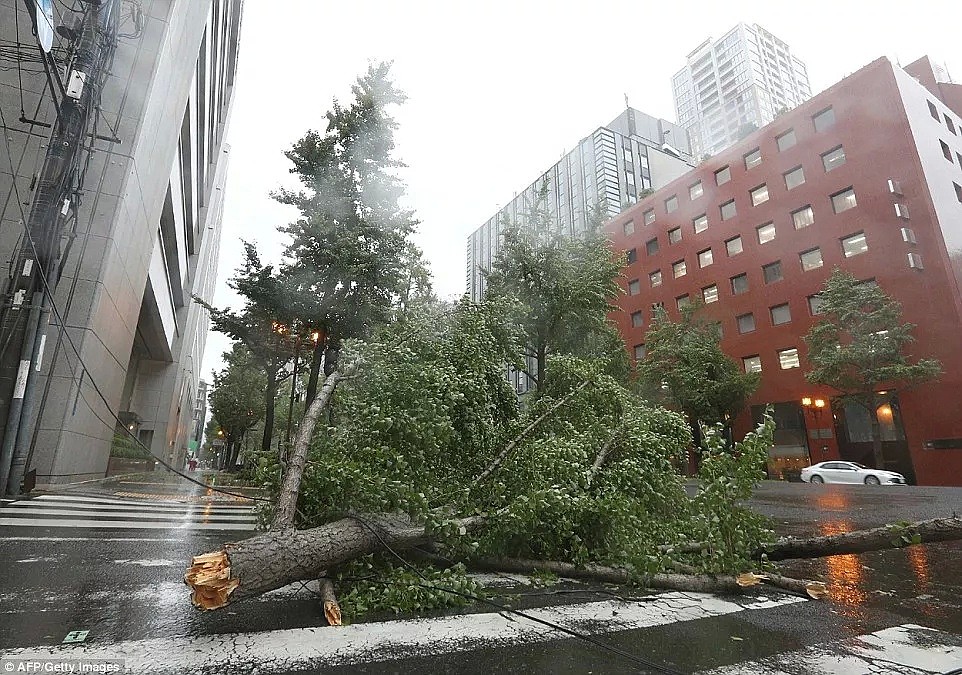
<point x="269" y="395"/>
<point x="862" y="541"/>
<point x="329" y="603"/>
<point x="316" y="359"/>
<point x="287" y="499"/>
<point x="542" y="361"/>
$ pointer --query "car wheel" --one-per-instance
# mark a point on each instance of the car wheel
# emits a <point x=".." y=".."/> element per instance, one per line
<point x="816" y="479"/>
<point x="872" y="480"/>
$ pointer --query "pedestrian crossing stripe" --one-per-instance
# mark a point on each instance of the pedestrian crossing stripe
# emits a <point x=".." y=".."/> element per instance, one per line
<point x="75" y="511"/>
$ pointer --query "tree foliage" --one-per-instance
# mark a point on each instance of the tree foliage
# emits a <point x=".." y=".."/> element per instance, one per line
<point x="562" y="288"/>
<point x="684" y="360"/>
<point x="858" y="347"/>
<point x="237" y="397"/>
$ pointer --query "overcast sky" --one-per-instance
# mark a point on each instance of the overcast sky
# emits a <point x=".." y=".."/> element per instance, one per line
<point x="498" y="91"/>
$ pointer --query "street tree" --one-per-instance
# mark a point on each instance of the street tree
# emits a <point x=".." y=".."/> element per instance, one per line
<point x="350" y="264"/>
<point x="684" y="362"/>
<point x="562" y="288"/>
<point x="236" y="399"/>
<point x="858" y="348"/>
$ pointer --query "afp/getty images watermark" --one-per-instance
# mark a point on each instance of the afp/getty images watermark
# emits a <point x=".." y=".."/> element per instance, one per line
<point x="61" y="666"/>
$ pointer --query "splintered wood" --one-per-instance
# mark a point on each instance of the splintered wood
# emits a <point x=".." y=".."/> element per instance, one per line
<point x="210" y="581"/>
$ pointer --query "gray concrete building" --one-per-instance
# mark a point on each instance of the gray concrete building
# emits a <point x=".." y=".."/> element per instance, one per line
<point x="605" y="173"/>
<point x="730" y="85"/>
<point x="143" y="226"/>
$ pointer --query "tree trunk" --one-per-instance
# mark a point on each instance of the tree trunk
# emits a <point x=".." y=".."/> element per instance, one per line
<point x="861" y="541"/>
<point x="316" y="359"/>
<point x="269" y="395"/>
<point x="274" y="559"/>
<point x="876" y="436"/>
<point x="542" y="359"/>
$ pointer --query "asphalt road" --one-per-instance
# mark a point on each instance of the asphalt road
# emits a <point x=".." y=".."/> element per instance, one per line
<point x="121" y="579"/>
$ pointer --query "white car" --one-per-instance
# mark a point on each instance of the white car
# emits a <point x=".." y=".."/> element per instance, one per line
<point x="849" y="472"/>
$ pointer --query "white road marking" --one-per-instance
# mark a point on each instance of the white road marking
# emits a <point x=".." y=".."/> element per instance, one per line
<point x="198" y="515"/>
<point x="370" y="642"/>
<point x="97" y="539"/>
<point x="160" y="562"/>
<point x="113" y="506"/>
<point x="906" y="649"/>
<point x="129" y="502"/>
<point x="125" y="524"/>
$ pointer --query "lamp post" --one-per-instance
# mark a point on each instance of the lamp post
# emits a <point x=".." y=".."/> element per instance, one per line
<point x="816" y="406"/>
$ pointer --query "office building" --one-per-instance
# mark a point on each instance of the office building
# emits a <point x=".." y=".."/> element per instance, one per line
<point x="141" y="220"/>
<point x="735" y="84"/>
<point x="866" y="177"/>
<point x="604" y="174"/>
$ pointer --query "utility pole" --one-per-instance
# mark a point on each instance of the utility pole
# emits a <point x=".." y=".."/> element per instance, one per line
<point x="29" y="300"/>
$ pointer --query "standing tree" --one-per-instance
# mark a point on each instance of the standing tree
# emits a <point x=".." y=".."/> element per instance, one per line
<point x="351" y="262"/>
<point x="685" y="361"/>
<point x="857" y="348"/>
<point x="237" y="399"/>
<point x="563" y="288"/>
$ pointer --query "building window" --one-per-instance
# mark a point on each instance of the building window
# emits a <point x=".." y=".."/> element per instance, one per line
<point x="649" y="216"/>
<point x="679" y="269"/>
<point x="895" y="187"/>
<point x="705" y="258"/>
<point x="759" y="195"/>
<point x="674" y="235"/>
<point x="753" y="158"/>
<point x="739" y="284"/>
<point x="824" y="120"/>
<point x="788" y="358"/>
<point x="655" y="278"/>
<point x="695" y="191"/>
<point x="908" y="235"/>
<point x="780" y="314"/>
<point x="640" y="352"/>
<point x="709" y="294"/>
<point x="803" y="217"/>
<point x="671" y="204"/>
<point x="844" y="200"/>
<point x="628" y="228"/>
<point x="946" y="152"/>
<point x="746" y="323"/>
<point x="700" y="223"/>
<point x="772" y="272"/>
<point x="854" y="244"/>
<point x="933" y="111"/>
<point x="786" y="140"/>
<point x="734" y="246"/>
<point x="815" y="303"/>
<point x="902" y="211"/>
<point x="949" y="124"/>
<point x="651" y="246"/>
<point x="833" y="159"/>
<point x="631" y="255"/>
<point x="634" y="287"/>
<point x="637" y="319"/>
<point x="794" y="178"/>
<point x="958" y="191"/>
<point x="811" y="259"/>
<point x="752" y="364"/>
<point x="727" y="210"/>
<point x="958" y="156"/>
<point x="723" y="175"/>
<point x="765" y="233"/>
<point x="915" y="261"/>
<point x="682" y="301"/>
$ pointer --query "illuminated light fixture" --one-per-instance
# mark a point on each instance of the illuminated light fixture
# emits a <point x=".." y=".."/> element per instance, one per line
<point x="819" y="403"/>
<point x="806" y="401"/>
<point x="884" y="412"/>
<point x="131" y="427"/>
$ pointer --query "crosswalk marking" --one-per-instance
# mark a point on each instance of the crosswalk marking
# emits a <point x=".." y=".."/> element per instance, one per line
<point x="300" y="648"/>
<point x="75" y="511"/>
<point x="907" y="649"/>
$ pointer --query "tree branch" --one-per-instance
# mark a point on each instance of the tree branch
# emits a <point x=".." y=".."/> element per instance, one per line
<point x="603" y="453"/>
<point x="493" y="466"/>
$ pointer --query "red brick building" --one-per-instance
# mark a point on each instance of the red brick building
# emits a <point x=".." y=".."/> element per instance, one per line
<point x="866" y="176"/>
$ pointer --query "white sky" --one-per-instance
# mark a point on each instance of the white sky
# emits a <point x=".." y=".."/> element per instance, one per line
<point x="498" y="90"/>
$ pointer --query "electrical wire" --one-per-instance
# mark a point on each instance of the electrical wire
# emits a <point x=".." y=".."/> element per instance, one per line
<point x="635" y="658"/>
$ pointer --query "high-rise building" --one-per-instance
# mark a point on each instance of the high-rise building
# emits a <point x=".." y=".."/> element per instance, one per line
<point x="604" y="174"/>
<point x="736" y="84"/>
<point x="866" y="177"/>
<point x="136" y="96"/>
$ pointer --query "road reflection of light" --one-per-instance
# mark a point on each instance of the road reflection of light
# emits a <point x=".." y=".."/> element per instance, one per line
<point x="833" y="500"/>
<point x="846" y="575"/>
<point x="919" y="561"/>
<point x="207" y="508"/>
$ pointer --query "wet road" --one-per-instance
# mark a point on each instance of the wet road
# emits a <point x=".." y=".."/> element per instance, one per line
<point x="124" y="585"/>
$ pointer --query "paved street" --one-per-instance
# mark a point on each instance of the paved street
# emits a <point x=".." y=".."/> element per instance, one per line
<point x="111" y="562"/>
